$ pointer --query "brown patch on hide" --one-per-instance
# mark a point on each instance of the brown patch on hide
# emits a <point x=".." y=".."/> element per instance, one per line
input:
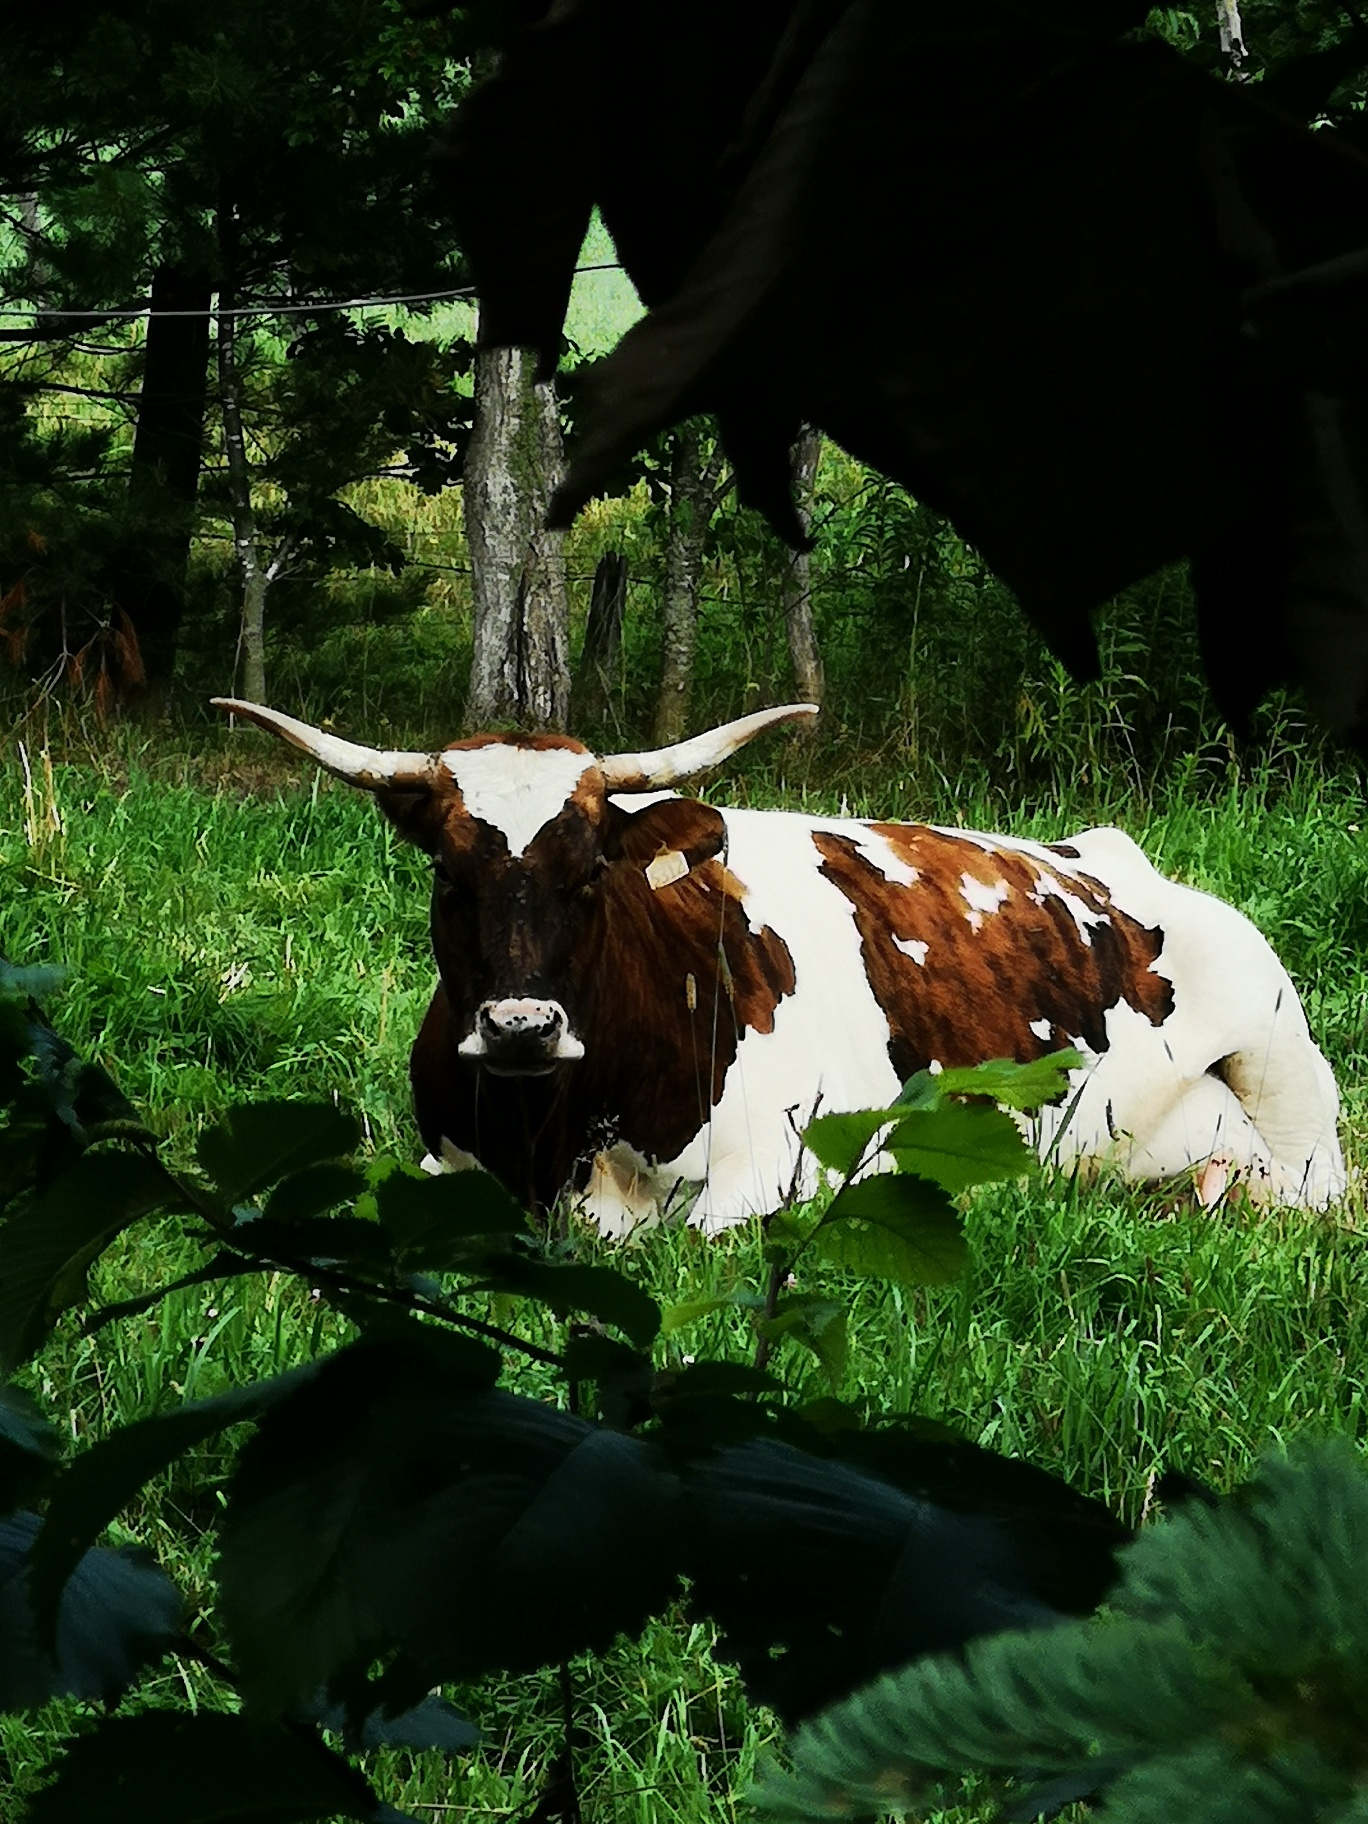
<point x="1003" y="948"/>
<point x="683" y="978"/>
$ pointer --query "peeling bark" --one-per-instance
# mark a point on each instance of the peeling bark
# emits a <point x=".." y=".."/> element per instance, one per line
<point x="520" y="670"/>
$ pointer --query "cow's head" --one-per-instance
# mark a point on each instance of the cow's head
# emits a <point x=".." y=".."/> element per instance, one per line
<point x="524" y="839"/>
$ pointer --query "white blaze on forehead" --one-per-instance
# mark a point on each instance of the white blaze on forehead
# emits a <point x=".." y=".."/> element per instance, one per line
<point x="913" y="947"/>
<point x="516" y="789"/>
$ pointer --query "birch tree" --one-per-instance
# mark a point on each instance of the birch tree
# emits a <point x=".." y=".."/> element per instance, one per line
<point x="520" y="670"/>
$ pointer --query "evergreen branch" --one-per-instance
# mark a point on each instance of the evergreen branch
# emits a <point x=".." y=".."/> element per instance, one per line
<point x="1228" y="1682"/>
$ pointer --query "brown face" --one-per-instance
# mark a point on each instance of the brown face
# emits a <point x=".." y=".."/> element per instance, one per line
<point x="513" y="828"/>
<point x="526" y="848"/>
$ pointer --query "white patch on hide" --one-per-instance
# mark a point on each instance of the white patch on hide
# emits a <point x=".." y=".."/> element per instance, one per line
<point x="1041" y="1028"/>
<point x="880" y="851"/>
<point x="913" y="947"/>
<point x="1048" y="887"/>
<point x="982" y="898"/>
<point x="516" y="789"/>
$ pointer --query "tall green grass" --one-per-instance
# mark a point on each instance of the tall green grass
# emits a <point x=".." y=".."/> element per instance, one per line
<point x="234" y="926"/>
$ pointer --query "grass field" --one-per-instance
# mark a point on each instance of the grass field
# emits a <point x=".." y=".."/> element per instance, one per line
<point x="235" y="928"/>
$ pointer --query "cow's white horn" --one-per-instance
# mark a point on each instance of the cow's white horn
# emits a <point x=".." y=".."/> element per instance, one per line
<point x="668" y="765"/>
<point x="372" y="768"/>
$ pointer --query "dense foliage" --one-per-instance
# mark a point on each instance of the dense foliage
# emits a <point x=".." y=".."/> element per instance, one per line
<point x="399" y="1519"/>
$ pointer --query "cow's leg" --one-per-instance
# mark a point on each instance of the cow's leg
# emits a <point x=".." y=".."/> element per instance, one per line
<point x="626" y="1192"/>
<point x="1288" y="1092"/>
<point x="1154" y="1106"/>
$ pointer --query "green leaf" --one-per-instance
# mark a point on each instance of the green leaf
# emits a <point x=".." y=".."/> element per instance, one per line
<point x="841" y="1141"/>
<point x="590" y="1356"/>
<point x="1023" y="1086"/>
<point x="711" y="1380"/>
<point x="961" y="1144"/>
<point x="95" y="1487"/>
<point x="893" y="1227"/>
<point x="167" y="1767"/>
<point x="676" y="1317"/>
<point x="259" y="1142"/>
<point x="432" y="1219"/>
<point x="818" y="1323"/>
<point x="28" y="1447"/>
<point x="118" y="1613"/>
<point x="389" y="1506"/>
<point x="346" y="1241"/>
<point x="432" y="1724"/>
<point x="314" y="1190"/>
<point x="602" y="1292"/>
<point x="45" y="1245"/>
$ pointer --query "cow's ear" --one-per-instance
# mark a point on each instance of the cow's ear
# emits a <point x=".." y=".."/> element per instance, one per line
<point x="667" y="839"/>
<point x="413" y="814"/>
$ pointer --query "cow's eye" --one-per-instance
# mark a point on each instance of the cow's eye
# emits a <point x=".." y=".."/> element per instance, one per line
<point x="591" y="886"/>
<point x="439" y="872"/>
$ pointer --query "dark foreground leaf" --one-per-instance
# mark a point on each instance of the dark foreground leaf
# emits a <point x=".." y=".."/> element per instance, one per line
<point x="396" y="1502"/>
<point x="96" y="1486"/>
<point x="45" y="1248"/>
<point x="820" y="1574"/>
<point x="432" y="1725"/>
<point x="260" y="1142"/>
<point x="118" y="1613"/>
<point x="433" y="1220"/>
<point x="170" y="1768"/>
<point x="28" y="1447"/>
<point x="601" y="1292"/>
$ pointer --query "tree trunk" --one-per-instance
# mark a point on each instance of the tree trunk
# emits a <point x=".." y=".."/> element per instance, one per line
<point x="520" y="670"/>
<point x="692" y="484"/>
<point x="602" y="642"/>
<point x="1231" y="32"/>
<point x="246" y="540"/>
<point x="163" y="481"/>
<point x="802" y="636"/>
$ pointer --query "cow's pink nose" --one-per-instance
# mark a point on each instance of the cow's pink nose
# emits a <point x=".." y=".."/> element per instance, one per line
<point x="505" y="1020"/>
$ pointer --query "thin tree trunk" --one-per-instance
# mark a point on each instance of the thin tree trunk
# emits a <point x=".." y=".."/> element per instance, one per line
<point x="1232" y="37"/>
<point x="246" y="539"/>
<point x="808" y="677"/>
<point x="163" y="480"/>
<point x="520" y="670"/>
<point x="602" y="641"/>
<point x="692" y="499"/>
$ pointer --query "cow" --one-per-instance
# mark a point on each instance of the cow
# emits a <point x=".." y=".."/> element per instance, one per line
<point x="641" y="998"/>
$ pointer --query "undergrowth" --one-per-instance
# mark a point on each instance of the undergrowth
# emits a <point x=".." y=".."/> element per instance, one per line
<point x="235" y="927"/>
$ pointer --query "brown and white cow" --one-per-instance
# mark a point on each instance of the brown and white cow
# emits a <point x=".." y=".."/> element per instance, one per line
<point x="645" y="998"/>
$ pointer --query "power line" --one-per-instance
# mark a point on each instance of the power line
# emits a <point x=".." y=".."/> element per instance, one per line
<point x="271" y="310"/>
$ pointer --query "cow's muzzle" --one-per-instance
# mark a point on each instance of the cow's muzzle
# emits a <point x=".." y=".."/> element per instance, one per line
<point x="521" y="1038"/>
